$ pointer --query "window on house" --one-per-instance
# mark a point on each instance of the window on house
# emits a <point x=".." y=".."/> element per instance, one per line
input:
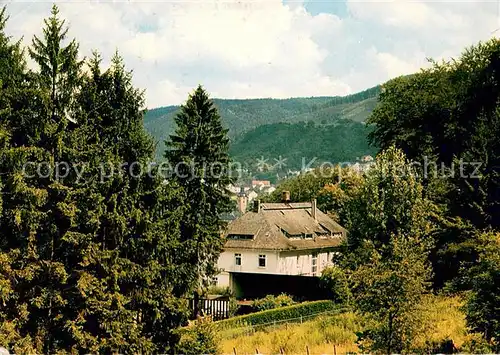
<point x="214" y="281"/>
<point x="314" y="264"/>
<point x="262" y="260"/>
<point x="237" y="259"/>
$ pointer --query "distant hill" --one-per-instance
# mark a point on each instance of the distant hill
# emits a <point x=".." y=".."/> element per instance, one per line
<point x="302" y="143"/>
<point x="255" y="125"/>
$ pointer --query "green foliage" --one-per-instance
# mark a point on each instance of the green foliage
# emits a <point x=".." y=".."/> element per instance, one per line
<point x="89" y="263"/>
<point x="447" y="116"/>
<point x="388" y="292"/>
<point x="386" y="258"/>
<point x="271" y="301"/>
<point x="390" y="202"/>
<point x="332" y="187"/>
<point x="295" y="312"/>
<point x="216" y="290"/>
<point x="242" y="116"/>
<point x="198" y="154"/>
<point x="233" y="306"/>
<point x="336" y="280"/>
<point x="476" y="345"/>
<point x="306" y="143"/>
<point x="483" y="303"/>
<point x="60" y="72"/>
<point x="199" y="338"/>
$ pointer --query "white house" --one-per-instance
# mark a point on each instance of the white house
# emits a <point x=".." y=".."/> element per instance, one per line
<point x="279" y="238"/>
<point x="269" y="190"/>
<point x="252" y="195"/>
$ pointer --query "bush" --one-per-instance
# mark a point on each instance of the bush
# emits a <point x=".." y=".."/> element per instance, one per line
<point x="271" y="302"/>
<point x="334" y="279"/>
<point x="217" y="290"/>
<point x="200" y="338"/>
<point x="233" y="306"/>
<point x="295" y="312"/>
<point x="476" y="344"/>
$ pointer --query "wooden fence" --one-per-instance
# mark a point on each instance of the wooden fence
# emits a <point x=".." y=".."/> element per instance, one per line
<point x="218" y="308"/>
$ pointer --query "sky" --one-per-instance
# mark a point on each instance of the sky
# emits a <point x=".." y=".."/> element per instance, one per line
<point x="264" y="48"/>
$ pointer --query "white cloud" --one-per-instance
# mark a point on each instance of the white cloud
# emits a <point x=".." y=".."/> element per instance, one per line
<point x="394" y="66"/>
<point x="406" y="14"/>
<point x="264" y="48"/>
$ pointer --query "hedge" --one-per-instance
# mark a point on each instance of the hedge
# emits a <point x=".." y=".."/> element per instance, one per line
<point x="278" y="314"/>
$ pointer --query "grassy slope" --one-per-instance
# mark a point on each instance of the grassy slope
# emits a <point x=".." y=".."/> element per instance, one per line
<point x="442" y="320"/>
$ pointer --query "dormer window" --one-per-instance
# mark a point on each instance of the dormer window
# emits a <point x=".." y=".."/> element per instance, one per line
<point x="286" y="233"/>
<point x="240" y="237"/>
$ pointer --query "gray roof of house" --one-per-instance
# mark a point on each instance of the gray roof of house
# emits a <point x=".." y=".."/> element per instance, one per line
<point x="270" y="226"/>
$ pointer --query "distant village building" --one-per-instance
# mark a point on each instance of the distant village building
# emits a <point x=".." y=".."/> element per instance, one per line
<point x="252" y="195"/>
<point x="244" y="195"/>
<point x="269" y="189"/>
<point x="233" y="189"/>
<point x="256" y="183"/>
<point x="292" y="173"/>
<point x="281" y="239"/>
<point x="367" y="159"/>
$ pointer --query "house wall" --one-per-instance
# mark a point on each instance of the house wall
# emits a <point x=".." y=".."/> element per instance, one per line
<point x="249" y="263"/>
<point x="301" y="262"/>
<point x="277" y="263"/>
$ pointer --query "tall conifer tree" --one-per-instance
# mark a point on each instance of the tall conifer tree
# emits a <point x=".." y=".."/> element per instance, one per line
<point x="198" y="154"/>
<point x="87" y="264"/>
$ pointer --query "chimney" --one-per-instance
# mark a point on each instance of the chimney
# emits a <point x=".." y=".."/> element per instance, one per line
<point x="256" y="206"/>
<point x="313" y="209"/>
<point x="286" y="196"/>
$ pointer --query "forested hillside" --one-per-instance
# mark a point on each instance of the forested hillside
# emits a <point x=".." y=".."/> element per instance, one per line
<point x="243" y="116"/>
<point x="341" y="141"/>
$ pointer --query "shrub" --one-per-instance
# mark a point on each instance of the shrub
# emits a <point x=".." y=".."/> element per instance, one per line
<point x="217" y="290"/>
<point x="284" y="341"/>
<point x="334" y="279"/>
<point x="271" y="302"/>
<point x="200" y="338"/>
<point x="295" y="312"/>
<point x="233" y="306"/>
<point x="476" y="344"/>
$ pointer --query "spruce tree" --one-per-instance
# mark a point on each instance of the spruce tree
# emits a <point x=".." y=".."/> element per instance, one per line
<point x="87" y="264"/>
<point x="12" y="71"/>
<point x="198" y="155"/>
<point x="138" y="234"/>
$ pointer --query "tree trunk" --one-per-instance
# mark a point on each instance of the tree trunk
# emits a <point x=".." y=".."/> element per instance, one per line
<point x="389" y="335"/>
<point x="196" y="301"/>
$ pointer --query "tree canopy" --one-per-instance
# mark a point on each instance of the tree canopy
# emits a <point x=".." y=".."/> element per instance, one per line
<point x="92" y="253"/>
